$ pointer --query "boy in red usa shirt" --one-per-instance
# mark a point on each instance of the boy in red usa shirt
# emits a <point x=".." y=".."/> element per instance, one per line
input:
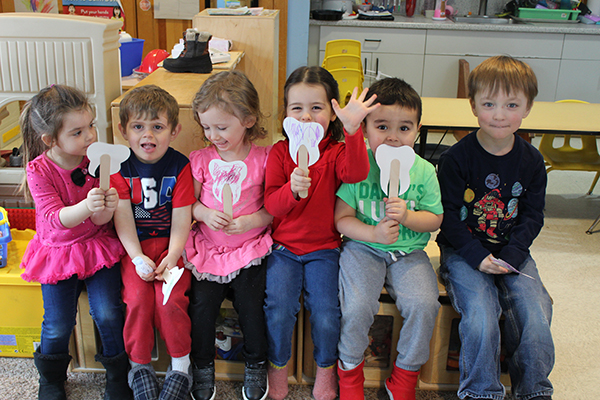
<point x="153" y="221"/>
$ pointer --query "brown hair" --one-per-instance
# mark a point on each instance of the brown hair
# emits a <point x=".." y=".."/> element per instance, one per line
<point x="232" y="92"/>
<point x="316" y="76"/>
<point x="395" y="91"/>
<point x="43" y="115"/>
<point x="148" y="102"/>
<point x="503" y="73"/>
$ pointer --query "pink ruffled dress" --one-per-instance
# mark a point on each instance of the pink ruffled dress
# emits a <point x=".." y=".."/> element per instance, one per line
<point x="57" y="253"/>
<point x="213" y="255"/>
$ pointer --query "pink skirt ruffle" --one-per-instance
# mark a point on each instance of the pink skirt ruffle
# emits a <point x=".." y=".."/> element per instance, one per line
<point x="50" y="264"/>
<point x="211" y="258"/>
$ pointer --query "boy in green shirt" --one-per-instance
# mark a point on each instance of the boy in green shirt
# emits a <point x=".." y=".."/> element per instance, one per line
<point x="383" y="246"/>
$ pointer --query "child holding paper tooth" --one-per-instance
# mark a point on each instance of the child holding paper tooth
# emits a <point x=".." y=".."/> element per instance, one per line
<point x="153" y="221"/>
<point x="493" y="188"/>
<point x="384" y="238"/>
<point x="75" y="245"/>
<point x="305" y="255"/>
<point x="227" y="252"/>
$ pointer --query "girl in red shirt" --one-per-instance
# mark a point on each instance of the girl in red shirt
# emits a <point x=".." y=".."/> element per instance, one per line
<point x="306" y="244"/>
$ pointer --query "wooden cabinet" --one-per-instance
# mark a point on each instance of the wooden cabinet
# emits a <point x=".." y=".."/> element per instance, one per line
<point x="258" y="38"/>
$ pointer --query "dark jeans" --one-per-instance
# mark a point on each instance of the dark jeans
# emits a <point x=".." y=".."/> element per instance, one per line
<point x="248" y="294"/>
<point x="106" y="309"/>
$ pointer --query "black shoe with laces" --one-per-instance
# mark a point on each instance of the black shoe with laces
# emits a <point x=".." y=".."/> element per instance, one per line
<point x="256" y="385"/>
<point x="203" y="387"/>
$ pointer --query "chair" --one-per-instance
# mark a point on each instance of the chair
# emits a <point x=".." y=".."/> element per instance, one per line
<point x="342" y="46"/>
<point x="569" y="158"/>
<point x="347" y="80"/>
<point x="342" y="61"/>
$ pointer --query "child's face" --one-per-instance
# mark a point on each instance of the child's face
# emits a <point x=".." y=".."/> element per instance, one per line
<point x="226" y="132"/>
<point x="149" y="139"/>
<point x="499" y="115"/>
<point x="309" y="103"/>
<point x="393" y="125"/>
<point x="76" y="135"/>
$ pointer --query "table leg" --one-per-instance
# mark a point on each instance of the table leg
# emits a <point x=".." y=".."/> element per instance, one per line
<point x="422" y="142"/>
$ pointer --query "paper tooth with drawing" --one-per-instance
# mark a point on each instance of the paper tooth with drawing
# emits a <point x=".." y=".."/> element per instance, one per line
<point x="394" y="165"/>
<point x="228" y="178"/>
<point x="304" y="140"/>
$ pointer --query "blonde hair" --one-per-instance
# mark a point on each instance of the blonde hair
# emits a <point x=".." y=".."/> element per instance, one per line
<point x="232" y="92"/>
<point x="148" y="102"/>
<point x="43" y="115"/>
<point x="503" y="73"/>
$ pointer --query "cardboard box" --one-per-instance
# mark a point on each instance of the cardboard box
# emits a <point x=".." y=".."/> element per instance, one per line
<point x="21" y="302"/>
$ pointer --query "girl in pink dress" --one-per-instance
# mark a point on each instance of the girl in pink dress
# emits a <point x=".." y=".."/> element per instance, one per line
<point x="75" y="245"/>
<point x="227" y="252"/>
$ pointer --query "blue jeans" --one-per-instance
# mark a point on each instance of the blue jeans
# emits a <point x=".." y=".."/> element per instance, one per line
<point x="480" y="299"/>
<point x="409" y="279"/>
<point x="316" y="275"/>
<point x="60" y="310"/>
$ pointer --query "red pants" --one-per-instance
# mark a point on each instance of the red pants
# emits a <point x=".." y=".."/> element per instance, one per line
<point x="145" y="309"/>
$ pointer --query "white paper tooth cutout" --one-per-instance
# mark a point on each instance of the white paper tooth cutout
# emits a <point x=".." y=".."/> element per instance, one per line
<point x="109" y="157"/>
<point x="308" y="134"/>
<point x="171" y="277"/>
<point x="394" y="165"/>
<point x="228" y="178"/>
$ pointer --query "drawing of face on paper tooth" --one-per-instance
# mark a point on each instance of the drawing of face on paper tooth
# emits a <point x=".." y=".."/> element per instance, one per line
<point x="388" y="158"/>
<point x="308" y="134"/>
<point x="232" y="173"/>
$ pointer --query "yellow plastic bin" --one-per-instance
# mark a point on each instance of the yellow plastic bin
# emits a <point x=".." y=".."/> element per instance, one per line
<point x="21" y="302"/>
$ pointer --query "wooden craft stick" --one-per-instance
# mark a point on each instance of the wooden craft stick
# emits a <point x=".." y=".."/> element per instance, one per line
<point x="227" y="200"/>
<point x="105" y="171"/>
<point x="303" y="165"/>
<point x="394" y="177"/>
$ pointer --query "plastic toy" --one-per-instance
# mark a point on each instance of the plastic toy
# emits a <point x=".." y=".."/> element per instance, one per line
<point x="5" y="237"/>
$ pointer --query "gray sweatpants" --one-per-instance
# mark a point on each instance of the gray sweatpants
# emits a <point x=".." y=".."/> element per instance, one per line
<point x="410" y="281"/>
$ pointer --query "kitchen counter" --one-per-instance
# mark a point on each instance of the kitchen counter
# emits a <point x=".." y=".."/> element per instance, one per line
<point x="421" y="22"/>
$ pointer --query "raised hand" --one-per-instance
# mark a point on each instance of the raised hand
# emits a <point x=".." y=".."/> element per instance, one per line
<point x="355" y="111"/>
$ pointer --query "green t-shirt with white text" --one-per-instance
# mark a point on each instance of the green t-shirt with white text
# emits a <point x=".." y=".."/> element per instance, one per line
<point x="366" y="198"/>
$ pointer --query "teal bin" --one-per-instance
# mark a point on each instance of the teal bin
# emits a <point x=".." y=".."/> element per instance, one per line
<point x="131" y="56"/>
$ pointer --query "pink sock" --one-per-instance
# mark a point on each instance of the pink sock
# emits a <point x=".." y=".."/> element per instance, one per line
<point x="325" y="384"/>
<point x="278" y="382"/>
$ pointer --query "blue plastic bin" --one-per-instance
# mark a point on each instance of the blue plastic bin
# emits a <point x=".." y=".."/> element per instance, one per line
<point x="131" y="55"/>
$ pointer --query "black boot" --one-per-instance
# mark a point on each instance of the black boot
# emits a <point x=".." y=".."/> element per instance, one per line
<point x="195" y="57"/>
<point x="117" y="368"/>
<point x="53" y="374"/>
